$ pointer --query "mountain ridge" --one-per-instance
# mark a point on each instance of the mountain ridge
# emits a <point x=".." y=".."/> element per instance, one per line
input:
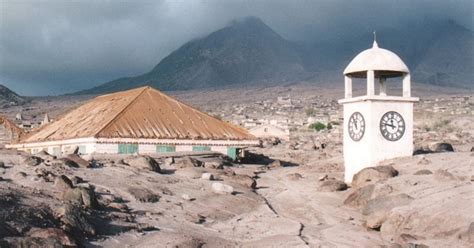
<point x="248" y="51"/>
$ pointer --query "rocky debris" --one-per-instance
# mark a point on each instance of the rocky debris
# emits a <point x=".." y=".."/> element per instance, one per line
<point x="214" y="164"/>
<point x="360" y="196"/>
<point x="441" y="147"/>
<point x="443" y="175"/>
<point x="76" y="221"/>
<point x="208" y="176"/>
<point x="45" y="156"/>
<point x="188" y="162"/>
<point x="143" y="194"/>
<point x="31" y="160"/>
<point x="333" y="185"/>
<point x="31" y="242"/>
<point x="76" y="180"/>
<point x="80" y="196"/>
<point x="372" y="175"/>
<point x="379" y="208"/>
<point x="63" y="183"/>
<point x="168" y="161"/>
<point x="143" y="162"/>
<point x="186" y="197"/>
<point x="221" y="188"/>
<point x="52" y="233"/>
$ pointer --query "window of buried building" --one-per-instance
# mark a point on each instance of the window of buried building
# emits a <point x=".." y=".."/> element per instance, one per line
<point x="201" y="148"/>
<point x="127" y="148"/>
<point x="165" y="148"/>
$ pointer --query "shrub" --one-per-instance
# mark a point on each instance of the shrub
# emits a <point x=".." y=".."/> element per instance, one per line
<point x="318" y="126"/>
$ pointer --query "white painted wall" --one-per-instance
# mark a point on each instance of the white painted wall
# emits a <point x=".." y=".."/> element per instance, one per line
<point x="373" y="147"/>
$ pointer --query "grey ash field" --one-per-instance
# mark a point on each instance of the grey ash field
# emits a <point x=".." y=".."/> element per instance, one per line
<point x="286" y="194"/>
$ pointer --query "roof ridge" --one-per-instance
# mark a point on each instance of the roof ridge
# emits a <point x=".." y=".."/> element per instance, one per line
<point x="226" y="123"/>
<point x="121" y="112"/>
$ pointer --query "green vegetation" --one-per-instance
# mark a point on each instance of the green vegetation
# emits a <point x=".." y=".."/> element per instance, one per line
<point x="318" y="126"/>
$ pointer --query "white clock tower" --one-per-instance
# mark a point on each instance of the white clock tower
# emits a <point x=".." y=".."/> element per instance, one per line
<point x="376" y="126"/>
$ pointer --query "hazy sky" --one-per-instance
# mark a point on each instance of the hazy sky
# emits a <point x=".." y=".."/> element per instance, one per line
<point x="60" y="46"/>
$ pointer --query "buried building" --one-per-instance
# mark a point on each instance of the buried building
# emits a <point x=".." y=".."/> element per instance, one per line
<point x="142" y="120"/>
<point x="9" y="132"/>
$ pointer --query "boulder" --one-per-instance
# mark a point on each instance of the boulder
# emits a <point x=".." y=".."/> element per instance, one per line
<point x="333" y="185"/>
<point x="78" y="161"/>
<point x="143" y="194"/>
<point x="144" y="162"/>
<point x="63" y="183"/>
<point x="245" y="180"/>
<point x="275" y="164"/>
<point x="80" y="196"/>
<point x="423" y="172"/>
<point x="188" y="162"/>
<point x="378" y="209"/>
<point x="207" y="176"/>
<point x="31" y="160"/>
<point x="76" y="221"/>
<point x="221" y="188"/>
<point x="442" y="147"/>
<point x="372" y="175"/>
<point x="54" y="233"/>
<point x="360" y="196"/>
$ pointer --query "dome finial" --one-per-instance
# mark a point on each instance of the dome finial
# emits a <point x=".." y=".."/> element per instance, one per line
<point x="375" y="45"/>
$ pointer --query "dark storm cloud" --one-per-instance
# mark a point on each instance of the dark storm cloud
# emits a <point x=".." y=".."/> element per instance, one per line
<point x="53" y="47"/>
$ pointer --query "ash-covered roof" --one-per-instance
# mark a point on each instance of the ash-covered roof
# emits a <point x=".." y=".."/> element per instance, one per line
<point x="11" y="126"/>
<point x="138" y="113"/>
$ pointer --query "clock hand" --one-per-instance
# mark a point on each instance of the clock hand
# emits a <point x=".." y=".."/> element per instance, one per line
<point x="386" y="124"/>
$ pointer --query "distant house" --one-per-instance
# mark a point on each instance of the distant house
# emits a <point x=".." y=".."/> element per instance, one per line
<point x="270" y="131"/>
<point x="142" y="120"/>
<point x="9" y="132"/>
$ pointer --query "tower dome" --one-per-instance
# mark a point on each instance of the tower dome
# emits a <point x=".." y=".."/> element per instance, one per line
<point x="383" y="62"/>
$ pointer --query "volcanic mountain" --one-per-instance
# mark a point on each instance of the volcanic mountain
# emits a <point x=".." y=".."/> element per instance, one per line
<point x="249" y="52"/>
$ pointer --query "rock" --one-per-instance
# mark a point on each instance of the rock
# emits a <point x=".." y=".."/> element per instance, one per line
<point x="143" y="194"/>
<point x="420" y="151"/>
<point x="76" y="221"/>
<point x="2" y="164"/>
<point x="323" y="178"/>
<point x="221" y="188"/>
<point x="443" y="175"/>
<point x="275" y="164"/>
<point x="30" y="242"/>
<point x="188" y="162"/>
<point x="245" y="181"/>
<point x="144" y="162"/>
<point x="63" y="183"/>
<point x="45" y="156"/>
<point x="372" y="175"/>
<point x="21" y="174"/>
<point x="378" y="209"/>
<point x="333" y="185"/>
<point x="423" y="172"/>
<point x="80" y="196"/>
<point x="54" y="233"/>
<point x="442" y="147"/>
<point x="214" y="164"/>
<point x="294" y="176"/>
<point x="186" y="197"/>
<point x="31" y="160"/>
<point x="118" y="206"/>
<point x="65" y="162"/>
<point x="78" y="161"/>
<point x="360" y="196"/>
<point x="207" y="176"/>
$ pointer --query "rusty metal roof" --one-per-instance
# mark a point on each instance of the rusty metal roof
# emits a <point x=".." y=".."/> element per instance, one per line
<point x="138" y="113"/>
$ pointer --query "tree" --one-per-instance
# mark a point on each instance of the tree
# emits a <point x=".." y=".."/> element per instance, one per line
<point x="318" y="126"/>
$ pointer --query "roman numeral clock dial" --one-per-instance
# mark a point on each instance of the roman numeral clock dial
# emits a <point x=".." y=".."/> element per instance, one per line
<point x="392" y="126"/>
<point x="356" y="126"/>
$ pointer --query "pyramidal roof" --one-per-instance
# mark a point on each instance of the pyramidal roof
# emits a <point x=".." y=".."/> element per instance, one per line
<point x="138" y="113"/>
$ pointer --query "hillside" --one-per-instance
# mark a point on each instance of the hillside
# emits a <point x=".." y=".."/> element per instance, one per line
<point x="8" y="97"/>
<point x="250" y="52"/>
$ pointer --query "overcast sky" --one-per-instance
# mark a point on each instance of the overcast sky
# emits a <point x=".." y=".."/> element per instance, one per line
<point x="54" y="47"/>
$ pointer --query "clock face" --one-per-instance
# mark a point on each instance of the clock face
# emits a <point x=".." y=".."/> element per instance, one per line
<point x="392" y="126"/>
<point x="356" y="126"/>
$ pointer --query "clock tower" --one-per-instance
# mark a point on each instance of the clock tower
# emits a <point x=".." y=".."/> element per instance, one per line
<point x="377" y="126"/>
